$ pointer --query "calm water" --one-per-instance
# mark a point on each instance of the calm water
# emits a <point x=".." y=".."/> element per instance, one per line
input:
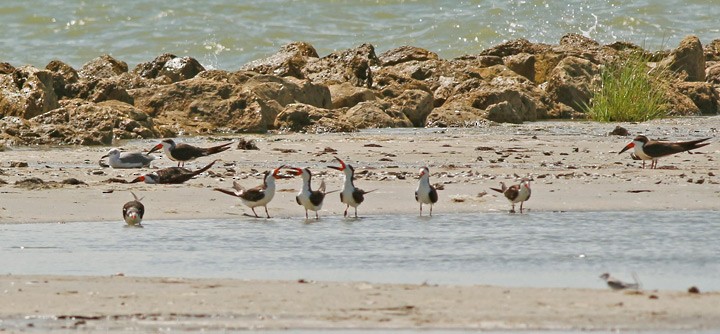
<point x="668" y="250"/>
<point x="226" y="34"/>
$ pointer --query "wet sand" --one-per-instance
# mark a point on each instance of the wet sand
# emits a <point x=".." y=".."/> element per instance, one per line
<point x="575" y="166"/>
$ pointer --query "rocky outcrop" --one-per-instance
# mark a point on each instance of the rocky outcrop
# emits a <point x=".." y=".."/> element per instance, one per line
<point x="352" y="65"/>
<point x="703" y="95"/>
<point x="570" y="82"/>
<point x="688" y="59"/>
<point x="303" y="117"/>
<point x="27" y="92"/>
<point x="289" y="61"/>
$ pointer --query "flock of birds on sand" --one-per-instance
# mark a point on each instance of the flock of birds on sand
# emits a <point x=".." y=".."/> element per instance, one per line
<point x="350" y="195"/>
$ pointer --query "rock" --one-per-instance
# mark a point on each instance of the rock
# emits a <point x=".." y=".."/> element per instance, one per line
<point x="109" y="89"/>
<point x="512" y="48"/>
<point x="711" y="51"/>
<point x="570" y="82"/>
<point x="373" y="114"/>
<point x="181" y="68"/>
<point x="6" y="68"/>
<point x="703" y="95"/>
<point x="80" y="122"/>
<point x="687" y="59"/>
<point x="289" y="61"/>
<point x="619" y="131"/>
<point x="523" y="64"/>
<point x="345" y="95"/>
<point x="712" y="74"/>
<point x="289" y="90"/>
<point x="415" y="104"/>
<point x="27" y="92"/>
<point x="352" y="65"/>
<point x="680" y="104"/>
<point x="243" y="112"/>
<point x="405" y="54"/>
<point x="307" y="118"/>
<point x="104" y="66"/>
<point x="63" y="75"/>
<point x="151" y="69"/>
<point x="493" y="104"/>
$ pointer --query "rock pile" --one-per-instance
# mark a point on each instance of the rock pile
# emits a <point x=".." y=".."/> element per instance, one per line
<point x="296" y="90"/>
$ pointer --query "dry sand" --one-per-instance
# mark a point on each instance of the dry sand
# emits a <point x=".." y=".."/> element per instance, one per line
<point x="575" y="166"/>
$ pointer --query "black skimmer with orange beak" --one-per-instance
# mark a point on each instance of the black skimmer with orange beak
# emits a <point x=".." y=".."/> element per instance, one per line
<point x="646" y="149"/>
<point x="117" y="159"/>
<point x="133" y="211"/>
<point x="517" y="193"/>
<point x="184" y="152"/>
<point x="308" y="198"/>
<point x="350" y="195"/>
<point x="425" y="193"/>
<point x="258" y="196"/>
<point x="617" y="284"/>
<point x="171" y="175"/>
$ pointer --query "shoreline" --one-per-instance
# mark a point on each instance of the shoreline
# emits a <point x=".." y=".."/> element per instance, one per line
<point x="97" y="302"/>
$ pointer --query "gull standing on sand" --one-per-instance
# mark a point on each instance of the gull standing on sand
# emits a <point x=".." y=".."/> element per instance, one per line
<point x="117" y="159"/>
<point x="258" y="196"/>
<point x="171" y="175"/>
<point x="617" y="284"/>
<point x="518" y="193"/>
<point x="184" y="152"/>
<point x="350" y="195"/>
<point x="425" y="193"/>
<point x="646" y="149"/>
<point x="308" y="198"/>
<point x="133" y="211"/>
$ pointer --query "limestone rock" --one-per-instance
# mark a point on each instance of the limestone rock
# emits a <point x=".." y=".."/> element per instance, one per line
<point x="104" y="66"/>
<point x="27" y="92"/>
<point x="703" y="95"/>
<point x="570" y="82"/>
<point x="474" y="108"/>
<point x="373" y="114"/>
<point x="687" y="59"/>
<point x="286" y="90"/>
<point x="307" y="118"/>
<point x="711" y="51"/>
<point x="181" y="68"/>
<point x="345" y="95"/>
<point x="151" y="69"/>
<point x="523" y="64"/>
<point x="352" y="65"/>
<point x="405" y="54"/>
<point x="289" y="61"/>
<point x="712" y="74"/>
<point x="415" y="104"/>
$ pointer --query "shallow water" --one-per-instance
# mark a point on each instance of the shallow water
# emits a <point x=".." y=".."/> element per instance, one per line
<point x="227" y="34"/>
<point x="668" y="250"/>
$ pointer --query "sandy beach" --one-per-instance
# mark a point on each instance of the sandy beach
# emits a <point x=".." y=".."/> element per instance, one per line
<point x="575" y="166"/>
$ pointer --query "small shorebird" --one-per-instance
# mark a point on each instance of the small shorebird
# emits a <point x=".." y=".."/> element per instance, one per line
<point x="258" y="196"/>
<point x="617" y="284"/>
<point x="425" y="193"/>
<point x="133" y="211"/>
<point x="171" y="175"/>
<point x="350" y="195"/>
<point x="184" y="152"/>
<point x="116" y="159"/>
<point x="646" y="149"/>
<point x="308" y="198"/>
<point x="516" y="193"/>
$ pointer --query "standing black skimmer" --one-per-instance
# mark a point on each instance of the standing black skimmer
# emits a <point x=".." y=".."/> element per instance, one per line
<point x="171" y="175"/>
<point x="516" y="193"/>
<point x="646" y="149"/>
<point x="310" y="199"/>
<point x="184" y="152"/>
<point x="133" y="211"/>
<point x="116" y="159"/>
<point x="617" y="284"/>
<point x="425" y="193"/>
<point x="258" y="196"/>
<point x="350" y="195"/>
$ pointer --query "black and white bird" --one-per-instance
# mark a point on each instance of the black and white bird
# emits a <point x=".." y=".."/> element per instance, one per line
<point x="257" y="196"/>
<point x="308" y="198"/>
<point x="117" y="159"/>
<point x="646" y="149"/>
<point x="617" y="284"/>
<point x="350" y="195"/>
<point x="517" y="193"/>
<point x="425" y="193"/>
<point x="185" y="152"/>
<point x="133" y="211"/>
<point x="171" y="175"/>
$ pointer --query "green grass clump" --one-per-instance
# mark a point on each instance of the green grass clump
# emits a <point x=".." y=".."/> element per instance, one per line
<point x="630" y="91"/>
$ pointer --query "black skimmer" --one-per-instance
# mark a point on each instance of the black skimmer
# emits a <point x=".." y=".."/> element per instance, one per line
<point x="646" y="149"/>
<point x="308" y="198"/>
<point x="350" y="195"/>
<point x="171" y="175"/>
<point x="425" y="193"/>
<point x="117" y="159"/>
<point x="258" y="196"/>
<point x="184" y="152"/>
<point x="133" y="211"/>
<point x="517" y="193"/>
<point x="617" y="284"/>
